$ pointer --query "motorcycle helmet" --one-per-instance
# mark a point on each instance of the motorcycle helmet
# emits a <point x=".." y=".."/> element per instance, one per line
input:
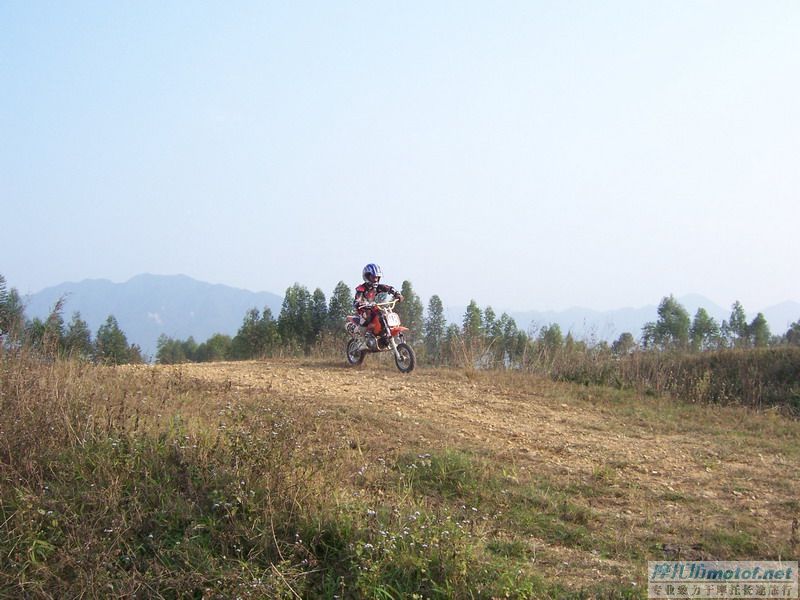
<point x="372" y="273"/>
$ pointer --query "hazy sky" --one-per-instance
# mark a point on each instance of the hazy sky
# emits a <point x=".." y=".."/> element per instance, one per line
<point x="526" y="154"/>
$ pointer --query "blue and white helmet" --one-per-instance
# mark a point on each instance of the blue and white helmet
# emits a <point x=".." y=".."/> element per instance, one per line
<point x="372" y="273"/>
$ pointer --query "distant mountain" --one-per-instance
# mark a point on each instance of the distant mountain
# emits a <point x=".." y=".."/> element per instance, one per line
<point x="586" y="323"/>
<point x="782" y="315"/>
<point x="148" y="305"/>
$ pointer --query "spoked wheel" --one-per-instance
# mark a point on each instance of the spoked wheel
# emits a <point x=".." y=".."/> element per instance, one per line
<point x="355" y="356"/>
<point x="405" y="359"/>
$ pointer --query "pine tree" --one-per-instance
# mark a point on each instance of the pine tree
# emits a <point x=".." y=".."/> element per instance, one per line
<point x="268" y="333"/>
<point x="35" y="334"/>
<point x="508" y="332"/>
<point x="257" y="336"/>
<point x="551" y="339"/>
<point x="570" y="345"/>
<point x="453" y="344"/>
<point x="473" y="322"/>
<point x="737" y="324"/>
<point x="294" y="322"/>
<point x="792" y="335"/>
<point x="671" y="331"/>
<point x="111" y="345"/>
<point x="340" y="305"/>
<point x="189" y="348"/>
<point x="758" y="331"/>
<point x="12" y="312"/>
<point x="245" y="342"/>
<point x="410" y="311"/>
<point x="78" y="338"/>
<point x="169" y="351"/>
<point x="519" y="348"/>
<point x="491" y="325"/>
<point x="434" y="329"/>
<point x="14" y="318"/>
<point x="704" y="332"/>
<point x="319" y="313"/>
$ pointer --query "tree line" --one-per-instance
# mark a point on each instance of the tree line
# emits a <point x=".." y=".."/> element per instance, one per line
<point x="310" y="323"/>
<point x="674" y="330"/>
<point x="53" y="337"/>
<point x="307" y="321"/>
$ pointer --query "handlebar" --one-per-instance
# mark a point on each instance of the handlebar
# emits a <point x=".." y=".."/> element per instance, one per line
<point x="390" y="304"/>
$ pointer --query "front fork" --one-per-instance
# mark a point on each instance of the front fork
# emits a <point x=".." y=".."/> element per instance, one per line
<point x="392" y="341"/>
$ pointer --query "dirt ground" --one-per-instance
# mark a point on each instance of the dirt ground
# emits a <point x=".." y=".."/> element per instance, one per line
<point x="667" y="475"/>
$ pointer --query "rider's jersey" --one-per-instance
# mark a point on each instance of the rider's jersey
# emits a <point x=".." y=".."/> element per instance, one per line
<point x="366" y="292"/>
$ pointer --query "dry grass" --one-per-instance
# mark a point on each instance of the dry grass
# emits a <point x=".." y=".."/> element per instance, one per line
<point x="756" y="377"/>
<point x="302" y="478"/>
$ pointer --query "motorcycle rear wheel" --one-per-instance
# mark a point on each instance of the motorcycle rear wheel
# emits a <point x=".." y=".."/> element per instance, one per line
<point x="406" y="360"/>
<point x="354" y="356"/>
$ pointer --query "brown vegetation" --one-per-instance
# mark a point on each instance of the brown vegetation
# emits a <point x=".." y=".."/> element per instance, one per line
<point x="291" y="478"/>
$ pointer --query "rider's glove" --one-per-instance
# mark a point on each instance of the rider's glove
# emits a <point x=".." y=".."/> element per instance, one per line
<point x="400" y="297"/>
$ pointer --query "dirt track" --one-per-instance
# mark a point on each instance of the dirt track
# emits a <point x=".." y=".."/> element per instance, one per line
<point x="668" y="472"/>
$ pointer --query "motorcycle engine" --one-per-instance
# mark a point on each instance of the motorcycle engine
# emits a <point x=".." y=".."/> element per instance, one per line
<point x="372" y="342"/>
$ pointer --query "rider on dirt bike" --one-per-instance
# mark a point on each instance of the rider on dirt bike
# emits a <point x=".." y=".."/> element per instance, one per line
<point x="364" y="302"/>
<point x="377" y="327"/>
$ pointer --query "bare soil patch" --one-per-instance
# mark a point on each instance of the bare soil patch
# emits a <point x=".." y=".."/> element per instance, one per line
<point x="662" y="479"/>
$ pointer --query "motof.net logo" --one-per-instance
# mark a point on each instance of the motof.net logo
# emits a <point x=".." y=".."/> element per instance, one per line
<point x="722" y="579"/>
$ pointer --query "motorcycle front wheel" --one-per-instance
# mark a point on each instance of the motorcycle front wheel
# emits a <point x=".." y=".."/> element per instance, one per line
<point x="405" y="358"/>
<point x="354" y="355"/>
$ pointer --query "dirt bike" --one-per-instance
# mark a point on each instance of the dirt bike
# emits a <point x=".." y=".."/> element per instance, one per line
<point x="384" y="333"/>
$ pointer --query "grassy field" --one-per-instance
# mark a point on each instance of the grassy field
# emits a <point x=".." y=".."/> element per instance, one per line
<point x="304" y="479"/>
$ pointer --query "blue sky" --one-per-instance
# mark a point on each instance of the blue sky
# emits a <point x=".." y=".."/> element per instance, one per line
<point x="525" y="154"/>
